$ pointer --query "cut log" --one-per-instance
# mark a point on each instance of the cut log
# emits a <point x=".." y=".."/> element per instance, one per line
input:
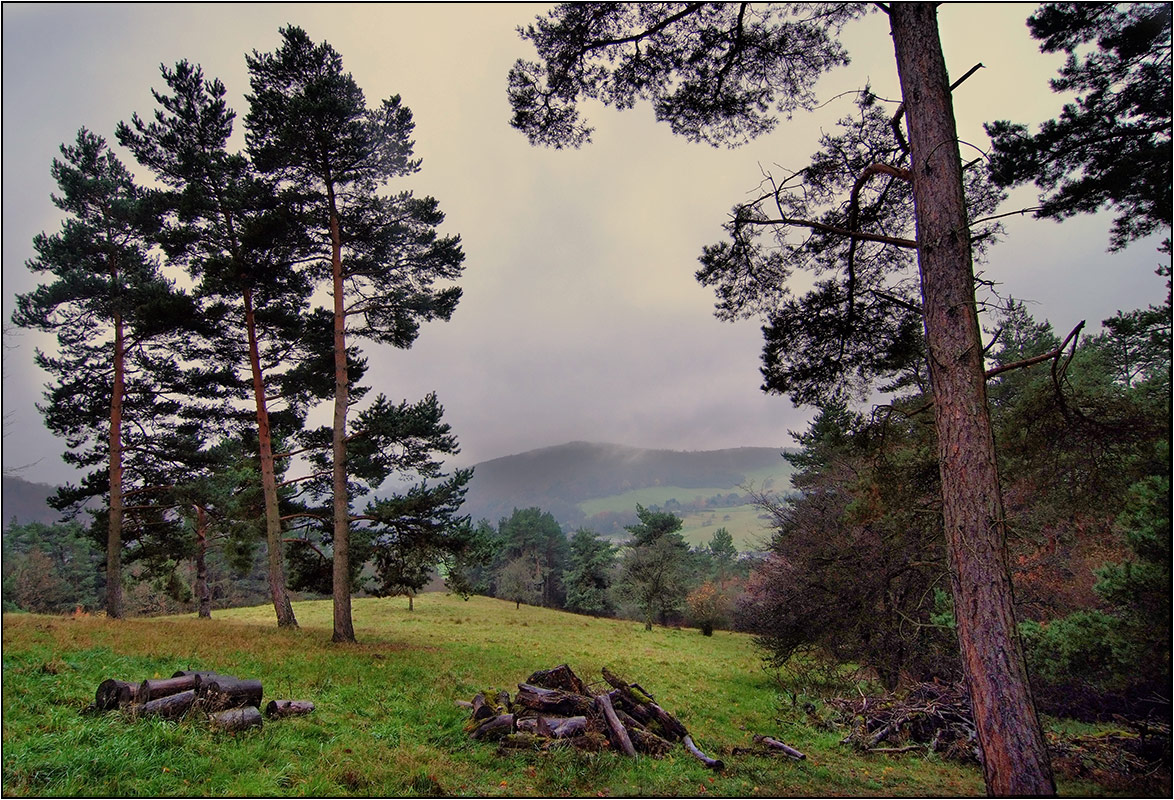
<point x="154" y="688"/>
<point x="552" y="701"/>
<point x="236" y="719"/>
<point x="619" y="733"/>
<point x="561" y="677"/>
<point x="775" y="744"/>
<point x="496" y="728"/>
<point x="712" y="763"/>
<point x="288" y="708"/>
<point x="169" y="707"/>
<point x="227" y="692"/>
<point x="115" y="694"/>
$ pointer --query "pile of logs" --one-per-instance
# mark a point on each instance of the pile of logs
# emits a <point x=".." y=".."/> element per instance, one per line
<point x="555" y="707"/>
<point x="929" y="717"/>
<point x="230" y="703"/>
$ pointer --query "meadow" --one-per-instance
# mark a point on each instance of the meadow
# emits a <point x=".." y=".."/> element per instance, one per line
<point x="385" y="721"/>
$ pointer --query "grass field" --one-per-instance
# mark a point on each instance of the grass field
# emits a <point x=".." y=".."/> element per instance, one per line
<point x="741" y="521"/>
<point x="385" y="722"/>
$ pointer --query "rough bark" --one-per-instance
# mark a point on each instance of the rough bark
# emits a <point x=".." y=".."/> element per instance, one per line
<point x="236" y="719"/>
<point x="344" y="628"/>
<point x="288" y="708"/>
<point x="114" y="532"/>
<point x="276" y="561"/>
<point x="1015" y="760"/>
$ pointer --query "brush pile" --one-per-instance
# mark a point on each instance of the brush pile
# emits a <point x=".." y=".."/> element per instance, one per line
<point x="230" y="703"/>
<point x="929" y="717"/>
<point x="556" y="708"/>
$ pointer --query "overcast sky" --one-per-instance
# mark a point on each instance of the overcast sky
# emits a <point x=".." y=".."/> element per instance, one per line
<point x="581" y="318"/>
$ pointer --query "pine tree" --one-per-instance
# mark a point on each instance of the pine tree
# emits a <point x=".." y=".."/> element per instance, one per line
<point x="118" y="375"/>
<point x="310" y="128"/>
<point x="235" y="233"/>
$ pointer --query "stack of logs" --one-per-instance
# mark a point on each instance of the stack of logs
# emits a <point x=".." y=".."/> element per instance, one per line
<point x="231" y="703"/>
<point x="555" y="707"/>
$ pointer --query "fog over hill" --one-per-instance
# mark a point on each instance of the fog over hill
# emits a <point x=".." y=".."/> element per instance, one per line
<point x="557" y="479"/>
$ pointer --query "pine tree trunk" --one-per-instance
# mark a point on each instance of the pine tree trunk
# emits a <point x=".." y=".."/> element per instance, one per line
<point x="344" y="629"/>
<point x="114" y="532"/>
<point x="203" y="596"/>
<point x="1015" y="758"/>
<point x="276" y="562"/>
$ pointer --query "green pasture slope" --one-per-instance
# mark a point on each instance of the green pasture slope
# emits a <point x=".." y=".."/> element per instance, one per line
<point x="743" y="522"/>
<point x="385" y="723"/>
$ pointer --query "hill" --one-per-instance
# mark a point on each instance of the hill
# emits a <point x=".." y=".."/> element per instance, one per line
<point x="599" y="485"/>
<point x="23" y="502"/>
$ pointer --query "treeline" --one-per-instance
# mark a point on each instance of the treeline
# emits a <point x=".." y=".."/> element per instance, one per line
<point x="201" y="315"/>
<point x="651" y="575"/>
<point x="857" y="572"/>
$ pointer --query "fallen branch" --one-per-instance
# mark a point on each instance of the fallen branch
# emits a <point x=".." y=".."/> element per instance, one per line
<point x="775" y="744"/>
<point x="712" y="763"/>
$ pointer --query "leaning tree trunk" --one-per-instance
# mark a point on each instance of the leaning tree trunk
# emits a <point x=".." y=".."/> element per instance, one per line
<point x="277" y="592"/>
<point x="114" y="528"/>
<point x="1015" y="758"/>
<point x="344" y="628"/>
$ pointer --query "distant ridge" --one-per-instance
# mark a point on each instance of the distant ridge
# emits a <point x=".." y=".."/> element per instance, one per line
<point x="23" y="502"/>
<point x="558" y="478"/>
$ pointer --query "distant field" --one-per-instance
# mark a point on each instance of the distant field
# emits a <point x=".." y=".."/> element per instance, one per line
<point x="385" y="723"/>
<point x="742" y="521"/>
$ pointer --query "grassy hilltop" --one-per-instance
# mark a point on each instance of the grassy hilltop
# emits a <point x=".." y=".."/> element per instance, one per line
<point x="385" y="722"/>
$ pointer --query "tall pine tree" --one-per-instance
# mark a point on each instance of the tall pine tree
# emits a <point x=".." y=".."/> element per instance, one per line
<point x="118" y="377"/>
<point x="309" y="127"/>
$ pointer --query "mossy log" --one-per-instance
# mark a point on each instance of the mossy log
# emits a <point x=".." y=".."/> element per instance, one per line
<point x="496" y="728"/>
<point x="553" y="727"/>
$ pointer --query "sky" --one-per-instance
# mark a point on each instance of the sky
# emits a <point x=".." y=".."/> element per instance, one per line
<point x="581" y="318"/>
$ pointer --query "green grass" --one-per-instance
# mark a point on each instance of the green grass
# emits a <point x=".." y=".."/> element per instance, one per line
<point x="385" y="723"/>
